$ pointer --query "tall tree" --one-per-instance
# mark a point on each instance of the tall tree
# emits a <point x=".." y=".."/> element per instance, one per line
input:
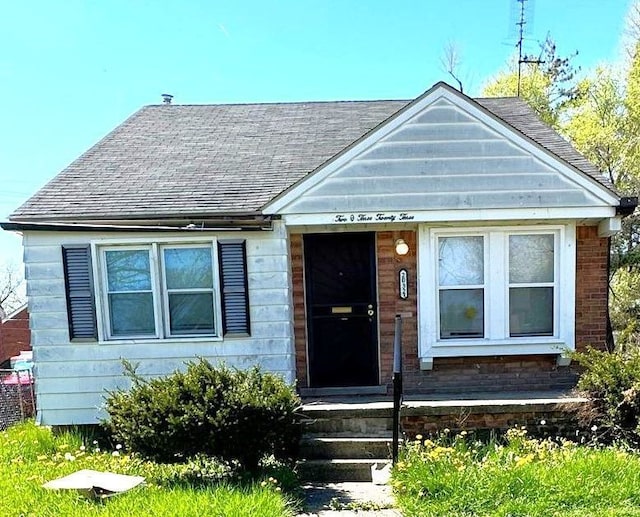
<point x="601" y="116"/>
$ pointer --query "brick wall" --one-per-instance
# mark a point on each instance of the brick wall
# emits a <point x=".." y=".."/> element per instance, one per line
<point x="15" y="335"/>
<point x="390" y="304"/>
<point x="591" y="288"/>
<point x="555" y="420"/>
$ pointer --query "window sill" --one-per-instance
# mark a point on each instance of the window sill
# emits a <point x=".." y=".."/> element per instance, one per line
<point x="483" y="348"/>
<point x="170" y="340"/>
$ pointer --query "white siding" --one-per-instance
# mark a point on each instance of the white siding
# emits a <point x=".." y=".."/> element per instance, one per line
<point x="72" y="377"/>
<point x="444" y="158"/>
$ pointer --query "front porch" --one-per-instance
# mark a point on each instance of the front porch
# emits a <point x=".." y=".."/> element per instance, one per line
<point x="458" y="375"/>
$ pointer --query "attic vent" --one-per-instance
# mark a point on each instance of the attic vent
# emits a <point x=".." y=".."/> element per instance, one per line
<point x="166" y="98"/>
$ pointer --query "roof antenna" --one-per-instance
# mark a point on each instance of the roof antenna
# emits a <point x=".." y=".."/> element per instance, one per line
<point x="523" y="59"/>
<point x="166" y="98"/>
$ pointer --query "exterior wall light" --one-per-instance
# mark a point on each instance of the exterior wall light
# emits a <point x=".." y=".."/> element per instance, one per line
<point x="402" y="248"/>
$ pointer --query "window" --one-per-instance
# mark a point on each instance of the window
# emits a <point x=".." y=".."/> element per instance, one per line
<point x="496" y="290"/>
<point x="531" y="285"/>
<point x="188" y="290"/>
<point x="129" y="292"/>
<point x="461" y="286"/>
<point x="159" y="291"/>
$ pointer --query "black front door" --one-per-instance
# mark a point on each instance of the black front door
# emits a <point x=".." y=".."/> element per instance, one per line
<point x="341" y="309"/>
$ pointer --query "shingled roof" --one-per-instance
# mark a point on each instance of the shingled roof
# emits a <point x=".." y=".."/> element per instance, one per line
<point x="179" y="161"/>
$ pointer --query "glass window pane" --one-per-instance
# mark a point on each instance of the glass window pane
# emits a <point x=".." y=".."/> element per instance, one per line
<point x="461" y="260"/>
<point x="188" y="268"/>
<point x="530" y="258"/>
<point x="531" y="311"/>
<point x="462" y="313"/>
<point x="128" y="270"/>
<point x="191" y="313"/>
<point x="131" y="314"/>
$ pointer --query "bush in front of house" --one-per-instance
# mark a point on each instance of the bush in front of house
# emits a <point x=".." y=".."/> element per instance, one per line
<point x="611" y="382"/>
<point x="235" y="415"/>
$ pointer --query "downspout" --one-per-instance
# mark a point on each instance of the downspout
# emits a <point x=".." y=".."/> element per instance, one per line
<point x="609" y="340"/>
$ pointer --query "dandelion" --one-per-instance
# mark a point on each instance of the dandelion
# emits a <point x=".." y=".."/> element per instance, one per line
<point x="118" y="447"/>
<point x="115" y="453"/>
<point x="278" y="489"/>
<point x="594" y="428"/>
<point x="69" y="457"/>
<point x="82" y="447"/>
<point x="418" y="437"/>
<point x="446" y="430"/>
<point x="95" y="442"/>
<point x="543" y="422"/>
<point x="463" y="433"/>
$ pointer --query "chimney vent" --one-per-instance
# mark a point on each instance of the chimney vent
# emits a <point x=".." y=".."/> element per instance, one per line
<point x="166" y="98"/>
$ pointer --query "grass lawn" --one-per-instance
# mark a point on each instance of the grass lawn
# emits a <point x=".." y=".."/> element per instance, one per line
<point x="455" y="477"/>
<point x="31" y="456"/>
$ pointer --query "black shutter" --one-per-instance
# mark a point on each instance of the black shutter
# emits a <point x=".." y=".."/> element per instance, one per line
<point x="78" y="278"/>
<point x="235" y="293"/>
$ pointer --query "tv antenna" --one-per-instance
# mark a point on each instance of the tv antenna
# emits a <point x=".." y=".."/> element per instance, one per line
<point x="521" y="25"/>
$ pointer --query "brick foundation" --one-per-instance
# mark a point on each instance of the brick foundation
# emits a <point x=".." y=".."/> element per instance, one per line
<point x="551" y="420"/>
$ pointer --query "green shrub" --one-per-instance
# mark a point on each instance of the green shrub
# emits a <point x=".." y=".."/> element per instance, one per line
<point x="235" y="415"/>
<point x="611" y="381"/>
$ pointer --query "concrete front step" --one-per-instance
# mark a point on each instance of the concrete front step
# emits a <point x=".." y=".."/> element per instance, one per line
<point x="330" y="447"/>
<point x="348" y="427"/>
<point x="348" y="420"/>
<point x="339" y="470"/>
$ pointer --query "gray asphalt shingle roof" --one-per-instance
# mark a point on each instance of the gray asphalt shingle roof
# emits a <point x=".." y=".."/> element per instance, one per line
<point x="207" y="160"/>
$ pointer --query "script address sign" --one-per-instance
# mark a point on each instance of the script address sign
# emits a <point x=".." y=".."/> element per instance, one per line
<point x="380" y="217"/>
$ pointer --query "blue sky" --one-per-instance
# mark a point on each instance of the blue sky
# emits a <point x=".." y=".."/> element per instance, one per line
<point x="72" y="70"/>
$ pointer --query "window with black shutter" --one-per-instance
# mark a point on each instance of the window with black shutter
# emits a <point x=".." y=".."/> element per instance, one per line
<point x="81" y="308"/>
<point x="233" y="282"/>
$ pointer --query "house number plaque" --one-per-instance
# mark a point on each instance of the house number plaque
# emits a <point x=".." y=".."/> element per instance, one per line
<point x="403" y="287"/>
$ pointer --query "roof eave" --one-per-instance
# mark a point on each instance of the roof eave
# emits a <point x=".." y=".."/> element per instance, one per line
<point x="191" y="224"/>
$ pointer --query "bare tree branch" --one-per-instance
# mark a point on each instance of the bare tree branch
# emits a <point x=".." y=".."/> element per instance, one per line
<point x="11" y="288"/>
<point x="451" y="60"/>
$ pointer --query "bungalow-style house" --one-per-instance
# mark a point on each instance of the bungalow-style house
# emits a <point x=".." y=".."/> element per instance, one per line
<point x="290" y="235"/>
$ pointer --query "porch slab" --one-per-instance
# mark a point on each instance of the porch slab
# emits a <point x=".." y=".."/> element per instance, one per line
<point x="543" y="412"/>
<point x="483" y="399"/>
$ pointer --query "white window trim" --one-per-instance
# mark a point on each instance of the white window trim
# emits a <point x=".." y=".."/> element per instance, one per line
<point x="98" y="247"/>
<point x="497" y="340"/>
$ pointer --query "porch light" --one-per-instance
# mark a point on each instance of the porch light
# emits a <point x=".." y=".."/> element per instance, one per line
<point x="402" y="248"/>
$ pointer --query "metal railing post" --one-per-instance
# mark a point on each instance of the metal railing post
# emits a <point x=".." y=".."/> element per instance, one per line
<point x="397" y="386"/>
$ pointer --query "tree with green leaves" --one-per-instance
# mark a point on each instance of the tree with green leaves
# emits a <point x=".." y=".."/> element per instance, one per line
<point x="600" y="115"/>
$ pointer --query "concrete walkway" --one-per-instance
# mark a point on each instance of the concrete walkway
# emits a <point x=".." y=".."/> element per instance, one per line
<point x="320" y="498"/>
